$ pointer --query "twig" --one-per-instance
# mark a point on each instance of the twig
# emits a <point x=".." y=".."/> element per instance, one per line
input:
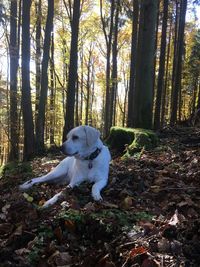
<point x="178" y="188"/>
<point x="124" y="264"/>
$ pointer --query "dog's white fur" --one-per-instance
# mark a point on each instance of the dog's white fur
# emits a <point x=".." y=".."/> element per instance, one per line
<point x="81" y="142"/>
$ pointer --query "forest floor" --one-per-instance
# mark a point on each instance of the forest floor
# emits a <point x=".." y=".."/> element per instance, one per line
<point x="150" y="215"/>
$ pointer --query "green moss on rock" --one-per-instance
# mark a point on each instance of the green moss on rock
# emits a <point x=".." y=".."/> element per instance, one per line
<point x="14" y="168"/>
<point x="119" y="137"/>
<point x="131" y="139"/>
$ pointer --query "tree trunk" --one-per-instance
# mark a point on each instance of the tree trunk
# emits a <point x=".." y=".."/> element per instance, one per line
<point x="164" y="106"/>
<point x="77" y="104"/>
<point x="177" y="15"/>
<point x="88" y="85"/>
<point x="14" y="60"/>
<point x="198" y="100"/>
<point x="114" y="77"/>
<point x="26" y="90"/>
<point x="40" y="126"/>
<point x="108" y="38"/>
<point x="73" y="65"/>
<point x="52" y="94"/>
<point x="133" y="63"/>
<point x="38" y="10"/>
<point x="161" y="73"/>
<point x="143" y="95"/>
<point x="81" y="86"/>
<point x="178" y="66"/>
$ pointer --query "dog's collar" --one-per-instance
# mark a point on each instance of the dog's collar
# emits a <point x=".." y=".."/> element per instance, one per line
<point x="93" y="155"/>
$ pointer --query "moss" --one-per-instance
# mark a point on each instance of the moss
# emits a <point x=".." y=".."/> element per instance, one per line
<point x="15" y="168"/>
<point x="120" y="137"/>
<point x="131" y="139"/>
<point x="38" y="244"/>
<point x="120" y="217"/>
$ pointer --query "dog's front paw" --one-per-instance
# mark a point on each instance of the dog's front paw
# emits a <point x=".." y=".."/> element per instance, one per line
<point x="26" y="185"/>
<point x="52" y="200"/>
<point x="97" y="197"/>
<point x="47" y="204"/>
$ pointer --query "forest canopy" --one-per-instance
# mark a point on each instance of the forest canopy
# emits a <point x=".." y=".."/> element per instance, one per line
<point x="65" y="63"/>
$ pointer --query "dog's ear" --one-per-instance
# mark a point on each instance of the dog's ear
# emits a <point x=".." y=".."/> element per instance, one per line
<point x="92" y="135"/>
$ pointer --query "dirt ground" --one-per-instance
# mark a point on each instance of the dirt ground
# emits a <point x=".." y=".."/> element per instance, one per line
<point x="149" y="216"/>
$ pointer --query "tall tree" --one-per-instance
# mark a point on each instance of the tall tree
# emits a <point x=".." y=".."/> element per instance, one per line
<point x="72" y="77"/>
<point x="143" y="95"/>
<point x="108" y="39"/>
<point x="176" y="90"/>
<point x="161" y="72"/>
<point x="114" y="77"/>
<point x="198" y="99"/>
<point x="26" y="90"/>
<point x="38" y="11"/>
<point x="14" y="136"/>
<point x="194" y="70"/>
<point x="52" y="94"/>
<point x="88" y="84"/>
<point x="133" y="62"/>
<point x="165" y="100"/>
<point x="44" y="78"/>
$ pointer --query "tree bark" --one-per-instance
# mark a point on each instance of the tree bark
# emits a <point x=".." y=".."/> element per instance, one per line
<point x="52" y="94"/>
<point x="40" y="126"/>
<point x="14" y="60"/>
<point x="108" y="38"/>
<point x="165" y="103"/>
<point x="133" y="63"/>
<point x="73" y="65"/>
<point x="155" y="48"/>
<point x="26" y="90"/>
<point x="161" y="73"/>
<point x="88" y="85"/>
<point x="178" y="68"/>
<point x="198" y="100"/>
<point x="143" y="95"/>
<point x="38" y="10"/>
<point x="114" y="77"/>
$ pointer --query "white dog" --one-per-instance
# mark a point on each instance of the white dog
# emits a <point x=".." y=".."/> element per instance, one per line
<point x="88" y="160"/>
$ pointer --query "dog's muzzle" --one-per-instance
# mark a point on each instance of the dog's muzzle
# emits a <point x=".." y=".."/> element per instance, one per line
<point x="64" y="151"/>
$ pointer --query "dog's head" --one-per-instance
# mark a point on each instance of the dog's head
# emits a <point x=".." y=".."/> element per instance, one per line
<point x="80" y="141"/>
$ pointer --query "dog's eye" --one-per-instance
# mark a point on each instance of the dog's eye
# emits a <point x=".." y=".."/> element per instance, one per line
<point x="75" y="137"/>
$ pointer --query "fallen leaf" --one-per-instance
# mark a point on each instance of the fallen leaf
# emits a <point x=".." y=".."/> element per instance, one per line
<point x="148" y="227"/>
<point x="105" y="262"/>
<point x="22" y="251"/>
<point x="6" y="229"/>
<point x="164" y="246"/>
<point x="89" y="207"/>
<point x="18" y="231"/>
<point x="176" y="247"/>
<point x="58" y="233"/>
<point x="191" y="213"/>
<point x="3" y="216"/>
<point x="127" y="203"/>
<point x="59" y="259"/>
<point x="28" y="197"/>
<point x="70" y="225"/>
<point x="149" y="263"/>
<point x="63" y="259"/>
<point x="5" y="208"/>
<point x="155" y="188"/>
<point x="41" y="202"/>
<point x="174" y="219"/>
<point x="109" y="205"/>
<point x="138" y="251"/>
